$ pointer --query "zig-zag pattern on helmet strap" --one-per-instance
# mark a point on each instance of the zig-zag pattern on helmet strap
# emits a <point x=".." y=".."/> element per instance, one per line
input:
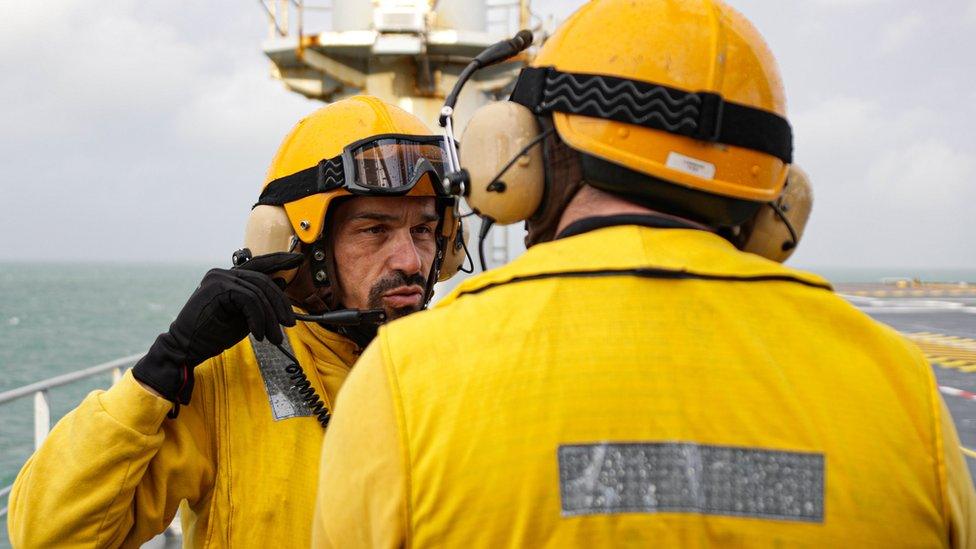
<point x="564" y="90"/>
<point x="331" y="173"/>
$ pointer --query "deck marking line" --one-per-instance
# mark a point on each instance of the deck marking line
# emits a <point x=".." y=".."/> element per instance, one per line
<point x="946" y="351"/>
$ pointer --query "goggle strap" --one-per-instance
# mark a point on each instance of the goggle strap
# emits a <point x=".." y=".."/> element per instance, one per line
<point x="700" y="115"/>
<point x="323" y="177"/>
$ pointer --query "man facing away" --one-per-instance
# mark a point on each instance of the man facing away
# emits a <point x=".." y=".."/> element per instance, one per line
<point x="349" y="217"/>
<point x="635" y="378"/>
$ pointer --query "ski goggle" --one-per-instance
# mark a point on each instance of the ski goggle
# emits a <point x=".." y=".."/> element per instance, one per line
<point x="392" y="164"/>
<point x="380" y="165"/>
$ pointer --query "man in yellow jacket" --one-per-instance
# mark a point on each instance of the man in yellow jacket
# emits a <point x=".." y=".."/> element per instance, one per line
<point x="352" y="218"/>
<point x="637" y="378"/>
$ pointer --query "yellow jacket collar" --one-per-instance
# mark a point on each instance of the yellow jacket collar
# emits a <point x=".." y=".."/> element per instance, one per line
<point x="322" y="342"/>
<point x="628" y="247"/>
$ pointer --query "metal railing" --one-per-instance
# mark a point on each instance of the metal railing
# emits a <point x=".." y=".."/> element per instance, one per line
<point x="42" y="399"/>
<point x="286" y="17"/>
<point x="278" y="12"/>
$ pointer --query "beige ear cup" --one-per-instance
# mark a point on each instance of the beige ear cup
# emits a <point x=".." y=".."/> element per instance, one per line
<point x="493" y="137"/>
<point x="768" y="235"/>
<point x="268" y="231"/>
<point x="454" y="255"/>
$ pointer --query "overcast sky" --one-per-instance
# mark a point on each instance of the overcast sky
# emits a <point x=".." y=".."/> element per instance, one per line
<point x="142" y="130"/>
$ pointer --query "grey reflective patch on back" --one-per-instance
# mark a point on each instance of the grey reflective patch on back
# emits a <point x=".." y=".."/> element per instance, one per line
<point x="284" y="398"/>
<point x="676" y="477"/>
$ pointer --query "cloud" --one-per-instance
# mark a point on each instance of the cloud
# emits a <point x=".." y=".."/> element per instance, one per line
<point x="240" y="107"/>
<point x="87" y="62"/>
<point x="929" y="175"/>
<point x="836" y="121"/>
<point x="890" y="189"/>
<point x="900" y="32"/>
<point x="146" y="131"/>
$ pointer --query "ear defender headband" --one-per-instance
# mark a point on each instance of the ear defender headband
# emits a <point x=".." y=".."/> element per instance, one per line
<point x="504" y="173"/>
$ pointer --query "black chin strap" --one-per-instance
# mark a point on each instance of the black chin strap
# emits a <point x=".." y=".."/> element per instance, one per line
<point x="361" y="335"/>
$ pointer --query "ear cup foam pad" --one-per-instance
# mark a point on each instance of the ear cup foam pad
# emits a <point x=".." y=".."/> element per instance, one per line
<point x="768" y="235"/>
<point x="495" y="135"/>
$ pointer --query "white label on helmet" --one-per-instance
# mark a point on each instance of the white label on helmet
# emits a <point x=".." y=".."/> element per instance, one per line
<point x="687" y="164"/>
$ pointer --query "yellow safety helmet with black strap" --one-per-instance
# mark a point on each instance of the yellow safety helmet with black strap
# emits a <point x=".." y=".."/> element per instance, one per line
<point x="357" y="146"/>
<point x="678" y="106"/>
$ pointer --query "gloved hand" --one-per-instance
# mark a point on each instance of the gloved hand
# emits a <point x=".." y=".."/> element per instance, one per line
<point x="228" y="304"/>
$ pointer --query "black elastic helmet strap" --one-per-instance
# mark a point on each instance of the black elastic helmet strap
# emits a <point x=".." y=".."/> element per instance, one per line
<point x="705" y="116"/>
<point x="699" y="115"/>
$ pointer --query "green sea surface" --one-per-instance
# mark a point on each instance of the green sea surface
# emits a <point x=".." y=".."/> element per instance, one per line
<point x="56" y="318"/>
<point x="60" y="317"/>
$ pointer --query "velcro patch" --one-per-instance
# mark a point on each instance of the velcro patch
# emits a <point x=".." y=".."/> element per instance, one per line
<point x="681" y="477"/>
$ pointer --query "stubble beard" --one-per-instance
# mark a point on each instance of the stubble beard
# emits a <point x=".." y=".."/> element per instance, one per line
<point x="394" y="280"/>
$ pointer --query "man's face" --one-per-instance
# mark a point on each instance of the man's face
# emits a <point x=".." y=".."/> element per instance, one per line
<point x="384" y="248"/>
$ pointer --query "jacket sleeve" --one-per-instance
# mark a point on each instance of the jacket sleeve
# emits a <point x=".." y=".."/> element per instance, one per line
<point x="113" y="471"/>
<point x="961" y="498"/>
<point x="362" y="490"/>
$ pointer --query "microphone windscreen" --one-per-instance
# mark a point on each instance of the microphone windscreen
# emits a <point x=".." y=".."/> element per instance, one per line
<point x="524" y="39"/>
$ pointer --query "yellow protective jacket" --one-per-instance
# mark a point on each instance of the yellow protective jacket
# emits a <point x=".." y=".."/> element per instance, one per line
<point x="636" y="387"/>
<point x="113" y="472"/>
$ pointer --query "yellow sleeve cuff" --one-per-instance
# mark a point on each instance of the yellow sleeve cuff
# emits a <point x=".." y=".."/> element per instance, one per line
<point x="133" y="406"/>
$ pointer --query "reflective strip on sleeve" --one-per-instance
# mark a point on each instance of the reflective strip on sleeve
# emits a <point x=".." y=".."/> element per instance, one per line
<point x="678" y="477"/>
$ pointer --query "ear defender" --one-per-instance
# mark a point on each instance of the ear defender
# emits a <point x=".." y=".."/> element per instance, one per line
<point x="776" y="230"/>
<point x="455" y="249"/>
<point x="269" y="231"/>
<point x="503" y="158"/>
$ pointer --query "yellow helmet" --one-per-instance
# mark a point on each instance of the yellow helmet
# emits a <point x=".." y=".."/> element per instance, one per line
<point x="323" y="135"/>
<point x="703" y="51"/>
<point x="357" y="146"/>
<point x="678" y="102"/>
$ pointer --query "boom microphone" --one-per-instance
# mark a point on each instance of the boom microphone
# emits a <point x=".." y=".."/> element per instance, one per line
<point x="346" y="317"/>
<point x="497" y="52"/>
<point x="504" y="49"/>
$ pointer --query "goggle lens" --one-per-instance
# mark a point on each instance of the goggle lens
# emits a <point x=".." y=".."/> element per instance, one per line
<point x="391" y="164"/>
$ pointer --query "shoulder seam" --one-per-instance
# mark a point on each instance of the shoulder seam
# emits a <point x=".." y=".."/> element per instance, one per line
<point x="647" y="272"/>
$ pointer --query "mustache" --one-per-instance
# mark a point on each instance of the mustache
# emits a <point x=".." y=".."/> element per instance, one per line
<point x="395" y="280"/>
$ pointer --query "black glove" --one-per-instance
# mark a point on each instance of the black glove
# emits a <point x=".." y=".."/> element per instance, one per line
<point x="228" y="304"/>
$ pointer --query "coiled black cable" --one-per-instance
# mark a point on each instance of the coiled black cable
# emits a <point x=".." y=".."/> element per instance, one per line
<point x="309" y="396"/>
